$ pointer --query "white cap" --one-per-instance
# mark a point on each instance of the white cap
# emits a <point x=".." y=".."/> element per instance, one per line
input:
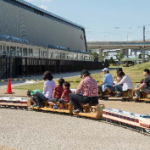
<point x="105" y="69"/>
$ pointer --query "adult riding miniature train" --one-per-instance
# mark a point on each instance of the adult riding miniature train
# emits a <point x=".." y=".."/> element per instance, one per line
<point x="126" y="96"/>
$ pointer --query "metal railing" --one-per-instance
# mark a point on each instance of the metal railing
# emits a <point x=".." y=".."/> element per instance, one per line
<point x="17" y="67"/>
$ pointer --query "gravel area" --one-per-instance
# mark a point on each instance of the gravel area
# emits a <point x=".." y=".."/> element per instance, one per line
<point x="29" y="130"/>
<point x="6" y="148"/>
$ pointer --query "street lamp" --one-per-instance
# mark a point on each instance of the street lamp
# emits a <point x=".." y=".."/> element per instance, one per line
<point x="127" y="37"/>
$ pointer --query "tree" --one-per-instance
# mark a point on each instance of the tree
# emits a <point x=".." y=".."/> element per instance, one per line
<point x="111" y="60"/>
<point x="140" y="56"/>
<point x="148" y="56"/>
<point x="105" y="54"/>
<point x="95" y="56"/>
<point x="119" y="56"/>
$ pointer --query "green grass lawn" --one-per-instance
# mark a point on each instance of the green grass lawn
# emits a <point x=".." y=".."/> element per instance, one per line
<point x="134" y="72"/>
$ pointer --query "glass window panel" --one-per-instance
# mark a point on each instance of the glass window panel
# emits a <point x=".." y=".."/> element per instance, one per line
<point x="25" y="52"/>
<point x="12" y="51"/>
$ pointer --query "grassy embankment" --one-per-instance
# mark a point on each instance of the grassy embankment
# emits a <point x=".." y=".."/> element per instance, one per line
<point x="135" y="73"/>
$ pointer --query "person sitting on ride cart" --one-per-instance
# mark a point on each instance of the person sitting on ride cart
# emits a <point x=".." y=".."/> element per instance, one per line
<point x="57" y="92"/>
<point x="124" y="84"/>
<point x="117" y="78"/>
<point x="65" y="95"/>
<point x="87" y="92"/>
<point x="106" y="83"/>
<point x="145" y="86"/>
<point x="31" y="94"/>
<point x="49" y="85"/>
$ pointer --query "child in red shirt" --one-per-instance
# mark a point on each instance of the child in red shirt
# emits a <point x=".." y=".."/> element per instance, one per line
<point x="57" y="92"/>
<point x="65" y="95"/>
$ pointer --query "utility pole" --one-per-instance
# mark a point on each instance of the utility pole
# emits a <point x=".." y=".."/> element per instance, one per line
<point x="143" y="51"/>
<point x="143" y="33"/>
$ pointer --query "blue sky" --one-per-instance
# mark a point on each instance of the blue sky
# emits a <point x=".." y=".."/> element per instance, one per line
<point x="104" y="20"/>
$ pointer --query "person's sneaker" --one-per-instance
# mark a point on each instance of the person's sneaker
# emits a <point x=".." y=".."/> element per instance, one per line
<point x="135" y="98"/>
<point x="119" y="95"/>
<point x="77" y="111"/>
<point x="55" y="106"/>
<point x="109" y="95"/>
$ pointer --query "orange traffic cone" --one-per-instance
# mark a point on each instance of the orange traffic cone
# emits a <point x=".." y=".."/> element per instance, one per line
<point x="9" y="90"/>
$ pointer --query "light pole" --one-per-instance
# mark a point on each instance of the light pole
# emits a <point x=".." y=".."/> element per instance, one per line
<point x="127" y="37"/>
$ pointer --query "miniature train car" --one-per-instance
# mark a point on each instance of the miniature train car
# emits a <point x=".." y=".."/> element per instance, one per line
<point x="137" y="121"/>
<point x="94" y="112"/>
<point x="50" y="108"/>
<point x="13" y="102"/>
<point x="126" y="95"/>
<point x="90" y="111"/>
<point x="144" y="97"/>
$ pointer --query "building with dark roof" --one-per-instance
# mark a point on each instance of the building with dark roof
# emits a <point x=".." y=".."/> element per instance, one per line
<point x="24" y="21"/>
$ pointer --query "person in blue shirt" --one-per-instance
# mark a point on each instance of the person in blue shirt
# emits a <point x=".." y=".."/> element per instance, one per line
<point x="106" y="83"/>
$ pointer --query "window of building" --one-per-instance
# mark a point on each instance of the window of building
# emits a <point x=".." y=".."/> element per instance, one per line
<point x="25" y="52"/>
<point x="19" y="51"/>
<point x="45" y="54"/>
<point x="1" y="49"/>
<point x="31" y="52"/>
<point x="12" y="51"/>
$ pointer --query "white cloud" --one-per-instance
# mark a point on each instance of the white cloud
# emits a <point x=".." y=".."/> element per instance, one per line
<point x="43" y="7"/>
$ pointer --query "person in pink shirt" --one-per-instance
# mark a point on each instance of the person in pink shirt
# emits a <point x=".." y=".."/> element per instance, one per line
<point x="87" y="92"/>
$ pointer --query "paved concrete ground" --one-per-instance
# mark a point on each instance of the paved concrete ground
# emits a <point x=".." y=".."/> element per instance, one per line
<point x="22" y="93"/>
<point x="56" y="76"/>
<point x="29" y="130"/>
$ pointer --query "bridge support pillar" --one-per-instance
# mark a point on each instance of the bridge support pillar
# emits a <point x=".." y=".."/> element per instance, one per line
<point x="143" y="54"/>
<point x="101" y="54"/>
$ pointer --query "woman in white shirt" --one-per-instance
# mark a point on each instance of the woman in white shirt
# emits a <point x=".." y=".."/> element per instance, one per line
<point x="125" y="81"/>
<point x="49" y="85"/>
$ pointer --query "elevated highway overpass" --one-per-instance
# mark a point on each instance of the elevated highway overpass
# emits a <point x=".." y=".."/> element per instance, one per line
<point x="124" y="46"/>
<point x="118" y="45"/>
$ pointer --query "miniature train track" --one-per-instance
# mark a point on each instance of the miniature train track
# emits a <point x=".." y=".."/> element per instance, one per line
<point x="123" y="125"/>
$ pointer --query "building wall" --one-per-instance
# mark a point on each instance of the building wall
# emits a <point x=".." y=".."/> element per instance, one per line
<point x="38" y="30"/>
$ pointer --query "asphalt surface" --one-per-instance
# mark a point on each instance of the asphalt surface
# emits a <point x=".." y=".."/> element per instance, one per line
<point x="56" y="76"/>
